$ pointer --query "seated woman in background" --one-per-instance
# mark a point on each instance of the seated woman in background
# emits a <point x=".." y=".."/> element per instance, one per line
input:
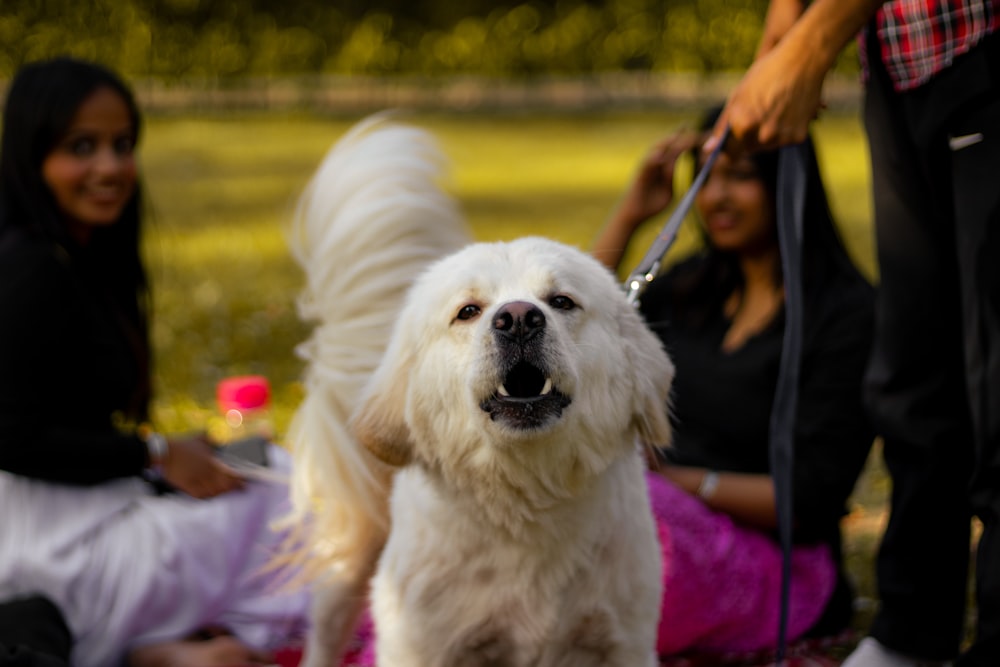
<point x="720" y="315"/>
<point x="132" y="572"/>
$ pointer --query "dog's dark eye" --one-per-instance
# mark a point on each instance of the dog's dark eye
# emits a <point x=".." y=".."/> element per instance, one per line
<point x="562" y="302"/>
<point x="468" y="312"/>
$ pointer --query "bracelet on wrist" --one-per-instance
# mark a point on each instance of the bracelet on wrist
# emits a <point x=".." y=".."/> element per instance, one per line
<point x="709" y="485"/>
<point x="157" y="447"/>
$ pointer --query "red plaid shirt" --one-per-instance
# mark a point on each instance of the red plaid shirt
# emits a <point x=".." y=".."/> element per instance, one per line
<point x="919" y="38"/>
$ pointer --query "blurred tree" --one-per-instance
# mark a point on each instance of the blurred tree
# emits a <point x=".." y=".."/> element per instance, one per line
<point x="224" y="39"/>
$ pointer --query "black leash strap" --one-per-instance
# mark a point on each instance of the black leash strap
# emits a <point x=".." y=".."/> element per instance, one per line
<point x="791" y="198"/>
<point x="790" y="204"/>
<point x="649" y="267"/>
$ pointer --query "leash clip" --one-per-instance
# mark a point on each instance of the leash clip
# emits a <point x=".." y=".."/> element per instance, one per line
<point x="649" y="267"/>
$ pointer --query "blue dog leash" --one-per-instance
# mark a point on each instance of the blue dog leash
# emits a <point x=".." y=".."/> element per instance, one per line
<point x="790" y="209"/>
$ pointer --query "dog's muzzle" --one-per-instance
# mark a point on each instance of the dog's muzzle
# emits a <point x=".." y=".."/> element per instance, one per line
<point x="525" y="397"/>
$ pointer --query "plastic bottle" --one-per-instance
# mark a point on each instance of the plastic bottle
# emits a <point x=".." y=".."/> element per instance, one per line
<point x="244" y="402"/>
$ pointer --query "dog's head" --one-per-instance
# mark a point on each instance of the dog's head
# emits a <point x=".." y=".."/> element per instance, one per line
<point x="514" y="351"/>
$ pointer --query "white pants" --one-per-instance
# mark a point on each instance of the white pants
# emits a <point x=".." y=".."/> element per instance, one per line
<point x="128" y="568"/>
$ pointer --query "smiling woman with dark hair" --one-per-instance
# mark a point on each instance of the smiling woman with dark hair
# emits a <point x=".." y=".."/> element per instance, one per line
<point x="720" y="314"/>
<point x="86" y="526"/>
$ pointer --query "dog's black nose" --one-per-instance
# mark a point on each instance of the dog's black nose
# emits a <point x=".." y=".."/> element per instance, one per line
<point x="519" y="320"/>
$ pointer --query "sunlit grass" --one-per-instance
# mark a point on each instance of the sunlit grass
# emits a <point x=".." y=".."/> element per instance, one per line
<point x="221" y="189"/>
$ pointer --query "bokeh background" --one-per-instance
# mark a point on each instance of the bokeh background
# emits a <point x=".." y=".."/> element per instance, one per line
<point x="544" y="108"/>
<point x="225" y="41"/>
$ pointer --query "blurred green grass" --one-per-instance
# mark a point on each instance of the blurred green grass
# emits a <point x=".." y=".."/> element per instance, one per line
<point x="220" y="190"/>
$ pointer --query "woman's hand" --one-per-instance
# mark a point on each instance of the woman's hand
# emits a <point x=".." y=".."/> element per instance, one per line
<point x="650" y="193"/>
<point x="190" y="465"/>
<point x="218" y="651"/>
<point x="653" y="188"/>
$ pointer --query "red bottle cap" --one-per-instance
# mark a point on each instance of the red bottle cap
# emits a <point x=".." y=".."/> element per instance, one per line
<point x="244" y="392"/>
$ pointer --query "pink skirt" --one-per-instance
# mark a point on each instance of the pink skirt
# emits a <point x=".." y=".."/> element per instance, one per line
<point x="721" y="582"/>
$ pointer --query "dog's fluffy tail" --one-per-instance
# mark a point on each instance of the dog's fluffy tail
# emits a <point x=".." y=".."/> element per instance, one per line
<point x="372" y="218"/>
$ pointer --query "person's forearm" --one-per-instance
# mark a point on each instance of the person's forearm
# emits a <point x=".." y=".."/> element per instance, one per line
<point x="611" y="243"/>
<point x="748" y="498"/>
<point x="781" y="94"/>
<point x="826" y="26"/>
<point x="781" y="16"/>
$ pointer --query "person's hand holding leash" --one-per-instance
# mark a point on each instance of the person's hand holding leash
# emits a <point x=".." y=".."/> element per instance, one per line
<point x="780" y="94"/>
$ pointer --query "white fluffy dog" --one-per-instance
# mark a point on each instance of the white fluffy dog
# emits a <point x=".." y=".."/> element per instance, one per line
<point x="503" y="418"/>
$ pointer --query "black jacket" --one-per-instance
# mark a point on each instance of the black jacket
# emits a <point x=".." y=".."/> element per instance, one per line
<point x="721" y="401"/>
<point x="68" y="370"/>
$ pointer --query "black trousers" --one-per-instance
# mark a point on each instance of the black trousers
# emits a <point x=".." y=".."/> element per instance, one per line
<point x="933" y="384"/>
<point x="33" y="634"/>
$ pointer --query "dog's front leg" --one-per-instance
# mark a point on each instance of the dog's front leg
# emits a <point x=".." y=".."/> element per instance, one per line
<point x="596" y="640"/>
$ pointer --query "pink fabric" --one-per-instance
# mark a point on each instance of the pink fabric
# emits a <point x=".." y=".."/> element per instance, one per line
<point x="361" y="652"/>
<point x="721" y="582"/>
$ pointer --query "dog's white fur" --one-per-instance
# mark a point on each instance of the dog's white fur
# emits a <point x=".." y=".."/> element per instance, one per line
<point x="373" y="216"/>
<point x="519" y="531"/>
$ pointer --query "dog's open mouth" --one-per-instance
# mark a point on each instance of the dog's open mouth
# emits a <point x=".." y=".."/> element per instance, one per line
<point x="526" y="399"/>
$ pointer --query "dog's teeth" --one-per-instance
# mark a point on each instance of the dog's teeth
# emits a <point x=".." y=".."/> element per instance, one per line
<point x="547" y="388"/>
<point x="502" y="390"/>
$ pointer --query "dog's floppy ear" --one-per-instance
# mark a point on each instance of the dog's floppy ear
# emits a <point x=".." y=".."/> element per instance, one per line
<point x="653" y="376"/>
<point x="379" y="423"/>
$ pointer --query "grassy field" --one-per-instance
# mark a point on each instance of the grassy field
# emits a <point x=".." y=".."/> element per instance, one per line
<point x="221" y="190"/>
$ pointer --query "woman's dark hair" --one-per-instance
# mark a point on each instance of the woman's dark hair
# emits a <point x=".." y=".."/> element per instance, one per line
<point x="823" y="254"/>
<point x="42" y="101"/>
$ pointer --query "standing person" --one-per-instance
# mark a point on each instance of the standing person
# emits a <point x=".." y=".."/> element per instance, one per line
<point x="133" y="573"/>
<point x="720" y="314"/>
<point x="932" y="115"/>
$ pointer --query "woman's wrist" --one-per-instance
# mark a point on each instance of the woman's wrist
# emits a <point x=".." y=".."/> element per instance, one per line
<point x="696" y="481"/>
<point x="157" y="448"/>
<point x="709" y="485"/>
<point x="626" y="220"/>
